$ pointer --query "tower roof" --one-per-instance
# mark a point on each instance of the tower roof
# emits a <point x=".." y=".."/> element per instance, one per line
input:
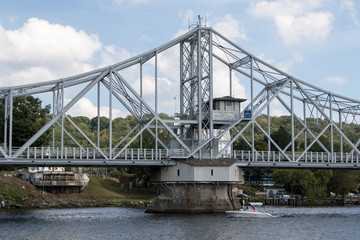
<point x="230" y="99"/>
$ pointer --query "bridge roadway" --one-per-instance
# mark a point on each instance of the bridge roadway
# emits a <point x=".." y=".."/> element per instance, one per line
<point x="47" y="156"/>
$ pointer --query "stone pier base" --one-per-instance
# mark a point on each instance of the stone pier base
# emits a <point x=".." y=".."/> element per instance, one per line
<point x="194" y="197"/>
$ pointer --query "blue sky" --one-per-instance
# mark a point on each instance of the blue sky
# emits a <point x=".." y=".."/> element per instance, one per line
<point x="317" y="41"/>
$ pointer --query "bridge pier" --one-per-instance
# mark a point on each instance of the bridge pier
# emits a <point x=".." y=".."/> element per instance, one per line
<point x="194" y="197"/>
<point x="196" y="185"/>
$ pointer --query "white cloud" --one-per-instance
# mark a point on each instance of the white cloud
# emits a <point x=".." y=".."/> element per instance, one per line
<point x="129" y="2"/>
<point x="265" y="9"/>
<point x="113" y="54"/>
<point x="296" y="21"/>
<point x="309" y="28"/>
<point x="287" y="65"/>
<point x="349" y="5"/>
<point x="284" y="65"/>
<point x="336" y="80"/>
<point x="221" y="83"/>
<point x="84" y="107"/>
<point x="279" y="112"/>
<point x="231" y="28"/>
<point x="40" y="49"/>
<point x="188" y="18"/>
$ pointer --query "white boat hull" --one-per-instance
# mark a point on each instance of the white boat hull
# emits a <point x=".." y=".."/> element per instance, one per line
<point x="247" y="214"/>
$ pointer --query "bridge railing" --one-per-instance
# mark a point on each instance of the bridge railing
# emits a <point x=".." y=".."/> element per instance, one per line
<point x="91" y="153"/>
<point x="276" y="156"/>
<point x="161" y="154"/>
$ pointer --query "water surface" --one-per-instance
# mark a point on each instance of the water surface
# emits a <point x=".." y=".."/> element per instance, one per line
<point x="127" y="223"/>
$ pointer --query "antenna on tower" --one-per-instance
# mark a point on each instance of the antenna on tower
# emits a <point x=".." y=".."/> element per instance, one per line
<point x="199" y="21"/>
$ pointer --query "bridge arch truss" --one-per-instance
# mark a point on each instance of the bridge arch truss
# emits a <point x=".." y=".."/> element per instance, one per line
<point x="315" y="114"/>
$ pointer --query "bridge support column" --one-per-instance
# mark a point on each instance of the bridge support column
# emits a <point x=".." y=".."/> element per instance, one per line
<point x="196" y="185"/>
<point x="194" y="197"/>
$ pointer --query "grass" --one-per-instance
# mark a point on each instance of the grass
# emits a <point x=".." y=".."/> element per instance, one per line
<point x="99" y="192"/>
<point x="109" y="188"/>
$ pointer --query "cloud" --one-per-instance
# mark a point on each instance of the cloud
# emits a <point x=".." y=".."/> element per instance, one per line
<point x="309" y="28"/>
<point x="279" y="113"/>
<point x="336" y="80"/>
<point x="287" y="65"/>
<point x="40" y="49"/>
<point x="112" y="54"/>
<point x="187" y="18"/>
<point x="84" y="107"/>
<point x="284" y="65"/>
<point x="349" y="5"/>
<point x="129" y="2"/>
<point x="231" y="28"/>
<point x="296" y="21"/>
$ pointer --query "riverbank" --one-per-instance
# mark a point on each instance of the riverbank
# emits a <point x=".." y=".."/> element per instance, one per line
<point x="101" y="192"/>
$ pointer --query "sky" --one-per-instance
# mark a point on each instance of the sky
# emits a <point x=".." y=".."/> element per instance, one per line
<point x="317" y="41"/>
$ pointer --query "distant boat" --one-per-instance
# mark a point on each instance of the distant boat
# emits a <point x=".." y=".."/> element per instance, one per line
<point x="248" y="211"/>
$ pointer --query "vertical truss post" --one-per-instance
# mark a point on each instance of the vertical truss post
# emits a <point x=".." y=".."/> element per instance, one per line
<point x="110" y="113"/>
<point x="252" y="109"/>
<point x="62" y="119"/>
<point x="141" y="105"/>
<point x="230" y="83"/>
<point x="305" y="132"/>
<point x="199" y="82"/>
<point x="11" y="103"/>
<point x="53" y="116"/>
<point x="156" y="106"/>
<point x="331" y="128"/>
<point x="341" y="138"/>
<point x="182" y="75"/>
<point x="268" y="122"/>
<point x="98" y="115"/>
<point x="211" y="92"/>
<point x="292" y="120"/>
<point x="6" y="102"/>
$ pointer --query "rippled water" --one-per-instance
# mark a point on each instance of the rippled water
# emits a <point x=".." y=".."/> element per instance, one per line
<point x="125" y="223"/>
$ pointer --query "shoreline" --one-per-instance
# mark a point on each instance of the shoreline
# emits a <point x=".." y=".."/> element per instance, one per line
<point x="16" y="193"/>
<point x="101" y="192"/>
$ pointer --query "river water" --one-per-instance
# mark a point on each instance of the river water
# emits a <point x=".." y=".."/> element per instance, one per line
<point x="129" y="223"/>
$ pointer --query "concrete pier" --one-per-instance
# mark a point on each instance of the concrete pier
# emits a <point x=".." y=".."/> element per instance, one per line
<point x="194" y="197"/>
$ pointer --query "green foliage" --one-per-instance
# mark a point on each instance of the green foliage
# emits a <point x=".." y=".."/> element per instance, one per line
<point x="304" y="182"/>
<point x="344" y="181"/>
<point x="249" y="190"/>
<point x="282" y="137"/>
<point x="28" y="118"/>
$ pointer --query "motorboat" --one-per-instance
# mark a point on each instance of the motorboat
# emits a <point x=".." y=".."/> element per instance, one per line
<point x="247" y="211"/>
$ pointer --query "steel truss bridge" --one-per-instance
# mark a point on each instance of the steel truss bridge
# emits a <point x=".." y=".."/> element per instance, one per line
<point x="315" y="114"/>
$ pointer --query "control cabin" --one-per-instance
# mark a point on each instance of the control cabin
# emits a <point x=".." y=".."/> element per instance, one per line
<point x="227" y="108"/>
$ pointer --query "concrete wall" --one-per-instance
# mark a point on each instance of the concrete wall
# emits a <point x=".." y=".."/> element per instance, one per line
<point x="183" y="172"/>
<point x="197" y="197"/>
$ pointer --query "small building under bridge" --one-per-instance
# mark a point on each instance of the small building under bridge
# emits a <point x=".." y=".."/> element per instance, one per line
<point x="56" y="179"/>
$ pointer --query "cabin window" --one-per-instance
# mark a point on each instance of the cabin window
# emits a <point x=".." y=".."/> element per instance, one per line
<point x="212" y="172"/>
<point x="178" y="172"/>
<point x="229" y="106"/>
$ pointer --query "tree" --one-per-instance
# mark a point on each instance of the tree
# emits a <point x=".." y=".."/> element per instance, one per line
<point x="104" y="123"/>
<point x="305" y="182"/>
<point x="28" y="118"/>
<point x="343" y="181"/>
<point x="282" y="137"/>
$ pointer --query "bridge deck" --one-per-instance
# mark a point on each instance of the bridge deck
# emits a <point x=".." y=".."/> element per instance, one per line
<point x="42" y="156"/>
